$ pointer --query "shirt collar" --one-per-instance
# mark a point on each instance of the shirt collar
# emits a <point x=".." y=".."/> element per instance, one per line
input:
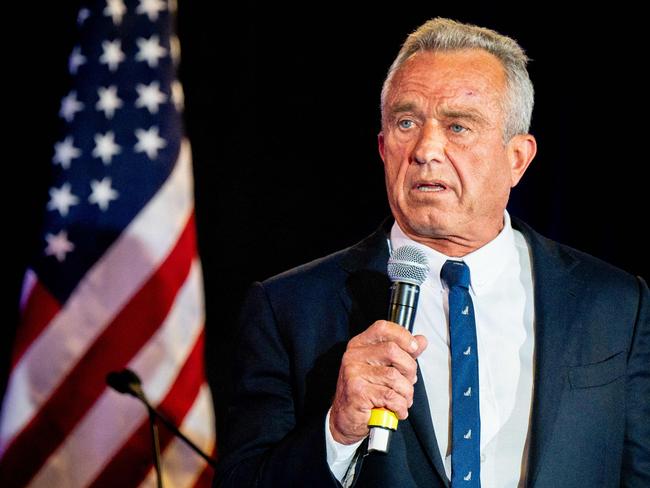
<point x="485" y="264"/>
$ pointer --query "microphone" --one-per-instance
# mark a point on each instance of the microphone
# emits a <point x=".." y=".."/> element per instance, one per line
<point x="407" y="269"/>
<point x="126" y="381"/>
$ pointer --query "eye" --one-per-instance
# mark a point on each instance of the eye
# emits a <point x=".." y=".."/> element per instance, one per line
<point x="457" y="128"/>
<point x="406" y="124"/>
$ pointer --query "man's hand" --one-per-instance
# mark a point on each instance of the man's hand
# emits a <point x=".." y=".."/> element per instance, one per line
<point x="378" y="370"/>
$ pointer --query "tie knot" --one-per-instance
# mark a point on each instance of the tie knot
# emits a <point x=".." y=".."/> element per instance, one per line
<point x="455" y="273"/>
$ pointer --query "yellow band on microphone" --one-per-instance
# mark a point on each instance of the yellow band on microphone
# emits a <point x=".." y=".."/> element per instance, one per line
<point x="380" y="417"/>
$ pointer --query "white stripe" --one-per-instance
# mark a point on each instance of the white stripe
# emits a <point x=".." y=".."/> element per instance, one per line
<point x="100" y="295"/>
<point x="113" y="418"/>
<point x="29" y="282"/>
<point x="181" y="466"/>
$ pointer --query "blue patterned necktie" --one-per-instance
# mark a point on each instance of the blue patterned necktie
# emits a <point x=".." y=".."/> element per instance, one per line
<point x="465" y="419"/>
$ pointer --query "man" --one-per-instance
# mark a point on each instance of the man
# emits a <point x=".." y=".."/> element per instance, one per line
<point x="562" y="379"/>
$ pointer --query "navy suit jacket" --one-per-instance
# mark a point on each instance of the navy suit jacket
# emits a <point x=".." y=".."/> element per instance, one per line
<point x="590" y="421"/>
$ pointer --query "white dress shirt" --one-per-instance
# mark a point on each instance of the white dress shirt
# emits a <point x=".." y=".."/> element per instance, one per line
<point x="502" y="292"/>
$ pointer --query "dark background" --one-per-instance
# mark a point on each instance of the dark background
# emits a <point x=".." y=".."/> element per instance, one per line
<point x="282" y="109"/>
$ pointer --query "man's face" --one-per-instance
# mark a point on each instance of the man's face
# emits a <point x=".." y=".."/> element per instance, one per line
<point x="448" y="171"/>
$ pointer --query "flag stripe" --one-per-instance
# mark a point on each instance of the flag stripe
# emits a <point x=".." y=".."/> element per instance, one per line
<point x="93" y="306"/>
<point x="181" y="465"/>
<point x="114" y="417"/>
<point x="206" y="477"/>
<point x="41" y="307"/>
<point x="137" y="322"/>
<point x="121" y="470"/>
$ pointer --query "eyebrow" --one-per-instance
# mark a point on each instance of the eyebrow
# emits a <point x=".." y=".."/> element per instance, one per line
<point x="467" y="114"/>
<point x="402" y="107"/>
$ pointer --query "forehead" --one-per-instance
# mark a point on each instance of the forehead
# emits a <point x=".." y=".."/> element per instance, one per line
<point x="471" y="76"/>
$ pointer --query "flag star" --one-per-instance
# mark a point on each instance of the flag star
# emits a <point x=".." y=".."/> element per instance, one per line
<point x="102" y="193"/>
<point x="116" y="10"/>
<point x="58" y="245"/>
<point x="64" y="152"/>
<point x="177" y="95"/>
<point x="76" y="60"/>
<point x="62" y="199"/>
<point x="105" y="147"/>
<point x="82" y="16"/>
<point x="112" y="55"/>
<point x="150" y="50"/>
<point x="149" y="141"/>
<point x="108" y="100"/>
<point x="151" y="8"/>
<point x="70" y="106"/>
<point x="150" y="96"/>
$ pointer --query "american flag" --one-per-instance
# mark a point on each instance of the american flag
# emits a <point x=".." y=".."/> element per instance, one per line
<point x="117" y="282"/>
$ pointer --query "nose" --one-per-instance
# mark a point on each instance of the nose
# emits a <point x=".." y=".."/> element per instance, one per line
<point x="430" y="147"/>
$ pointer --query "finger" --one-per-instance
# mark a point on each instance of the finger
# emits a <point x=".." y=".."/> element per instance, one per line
<point x="391" y="378"/>
<point x="382" y="354"/>
<point x="385" y="331"/>
<point x="361" y="394"/>
<point x="384" y="397"/>
<point x="422" y="344"/>
<point x="355" y="377"/>
<point x="390" y="354"/>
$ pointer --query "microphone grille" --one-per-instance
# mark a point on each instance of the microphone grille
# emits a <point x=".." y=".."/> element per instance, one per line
<point x="408" y="264"/>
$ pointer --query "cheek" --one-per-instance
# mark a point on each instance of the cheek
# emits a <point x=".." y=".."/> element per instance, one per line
<point x="488" y="162"/>
<point x="467" y="163"/>
<point x="395" y="182"/>
<point x="395" y="162"/>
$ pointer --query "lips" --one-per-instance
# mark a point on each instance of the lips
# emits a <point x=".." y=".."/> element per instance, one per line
<point x="429" y="186"/>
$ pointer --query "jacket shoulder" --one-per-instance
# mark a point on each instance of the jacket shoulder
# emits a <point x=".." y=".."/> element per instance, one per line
<point x="320" y="272"/>
<point x="594" y="272"/>
<point x="331" y="271"/>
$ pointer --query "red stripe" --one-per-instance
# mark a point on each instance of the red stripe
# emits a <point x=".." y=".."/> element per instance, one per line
<point x="113" y="349"/>
<point x="132" y="463"/>
<point x="207" y="475"/>
<point x="205" y="479"/>
<point x="40" y="309"/>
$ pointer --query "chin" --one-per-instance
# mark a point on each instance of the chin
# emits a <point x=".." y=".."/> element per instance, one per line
<point x="428" y="225"/>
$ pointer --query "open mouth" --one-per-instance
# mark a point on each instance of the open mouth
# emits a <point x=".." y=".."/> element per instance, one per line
<point x="430" y="187"/>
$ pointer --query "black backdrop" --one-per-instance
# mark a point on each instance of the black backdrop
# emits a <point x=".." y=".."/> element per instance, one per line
<point x="282" y="111"/>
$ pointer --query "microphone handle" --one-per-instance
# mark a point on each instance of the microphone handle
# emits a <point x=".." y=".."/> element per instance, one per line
<point x="401" y="310"/>
<point x="403" y="302"/>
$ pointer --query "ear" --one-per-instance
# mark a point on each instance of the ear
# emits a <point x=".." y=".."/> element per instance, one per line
<point x="381" y="145"/>
<point x="521" y="150"/>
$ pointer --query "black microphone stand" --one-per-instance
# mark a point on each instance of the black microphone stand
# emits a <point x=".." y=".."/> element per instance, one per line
<point x="126" y="381"/>
<point x="168" y="423"/>
<point x="156" y="446"/>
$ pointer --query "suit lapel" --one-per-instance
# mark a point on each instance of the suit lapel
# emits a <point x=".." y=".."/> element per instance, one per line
<point x="555" y="299"/>
<point x="366" y="298"/>
<point x="420" y="419"/>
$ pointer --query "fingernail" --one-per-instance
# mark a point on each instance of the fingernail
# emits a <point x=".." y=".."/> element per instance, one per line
<point x="414" y="345"/>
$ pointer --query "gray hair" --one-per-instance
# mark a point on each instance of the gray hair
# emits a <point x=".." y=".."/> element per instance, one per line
<point x="448" y="35"/>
